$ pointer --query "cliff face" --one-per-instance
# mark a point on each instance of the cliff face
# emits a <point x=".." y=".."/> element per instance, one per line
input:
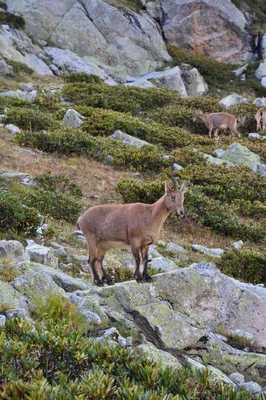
<point x="135" y="43"/>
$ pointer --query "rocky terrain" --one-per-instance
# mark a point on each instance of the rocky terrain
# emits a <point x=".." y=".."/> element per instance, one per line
<point x="97" y="104"/>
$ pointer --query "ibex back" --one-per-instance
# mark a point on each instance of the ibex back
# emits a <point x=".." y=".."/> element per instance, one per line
<point x="260" y="118"/>
<point x="220" y="120"/>
<point x="135" y="225"/>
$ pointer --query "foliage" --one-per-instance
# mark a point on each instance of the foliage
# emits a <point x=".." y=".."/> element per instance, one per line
<point x="14" y="21"/>
<point x="19" y="67"/>
<point x="248" y="265"/>
<point x="74" y="77"/>
<point x="62" y="362"/>
<point x="58" y="183"/>
<point x="30" y="119"/>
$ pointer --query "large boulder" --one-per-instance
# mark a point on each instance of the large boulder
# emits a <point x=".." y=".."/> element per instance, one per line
<point x="212" y="28"/>
<point x="238" y="154"/>
<point x="73" y="119"/>
<point x="233" y="99"/>
<point x="13" y="251"/>
<point x="194" y="82"/>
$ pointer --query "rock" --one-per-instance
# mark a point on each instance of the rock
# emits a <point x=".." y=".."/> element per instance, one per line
<point x="2" y="117"/>
<point x="162" y="264"/>
<point x="21" y="95"/>
<point x="13" y="129"/>
<point x="90" y="317"/>
<point x="2" y="320"/>
<point x="21" y="177"/>
<point x="237" y="378"/>
<point x="128" y="139"/>
<point x="239" y="71"/>
<point x="190" y="25"/>
<point x="13" y="251"/>
<point x="251" y="387"/>
<point x="144" y="84"/>
<point x="241" y="155"/>
<point x="42" y="254"/>
<point x="254" y="135"/>
<point x="194" y="82"/>
<point x="207" y="250"/>
<point x="11" y="298"/>
<point x="238" y="244"/>
<point x="5" y="69"/>
<point x="218" y="153"/>
<point x="58" y="249"/>
<point x="16" y="313"/>
<point x="177" y="167"/>
<point x="260" y="102"/>
<point x="263" y="81"/>
<point x="263" y="46"/>
<point x="261" y="70"/>
<point x="242" y="334"/>
<point x="61" y="279"/>
<point x="26" y="87"/>
<point x="175" y="249"/>
<point x="73" y="119"/>
<point x="233" y="99"/>
<point x="114" y="335"/>
<point x="214" y="160"/>
<point x="163" y="358"/>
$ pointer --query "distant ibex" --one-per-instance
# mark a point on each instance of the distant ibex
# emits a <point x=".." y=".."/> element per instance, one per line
<point x="260" y="118"/>
<point x="135" y="225"/>
<point x="220" y="120"/>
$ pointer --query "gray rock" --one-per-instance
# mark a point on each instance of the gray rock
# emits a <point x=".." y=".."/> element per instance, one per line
<point x="22" y="177"/>
<point x="243" y="334"/>
<point x="73" y="119"/>
<point x="254" y="135"/>
<point x="263" y="46"/>
<point x="13" y="251"/>
<point x="207" y="250"/>
<point x="260" y="102"/>
<point x="177" y="167"/>
<point x="218" y="153"/>
<point x="251" y="387"/>
<point x="214" y="160"/>
<point x="128" y="139"/>
<point x="163" y="358"/>
<point x="162" y="264"/>
<point x="11" y="298"/>
<point x="233" y="99"/>
<point x="90" y="317"/>
<point x="2" y="320"/>
<point x="42" y="254"/>
<point x="261" y="70"/>
<point x="17" y="313"/>
<point x="114" y="335"/>
<point x="13" y="129"/>
<point x="241" y="155"/>
<point x="26" y="87"/>
<point x="2" y="117"/>
<point x="21" y="95"/>
<point x="239" y="71"/>
<point x="238" y="244"/>
<point x="175" y="249"/>
<point x="237" y="378"/>
<point x="5" y="69"/>
<point x="194" y="82"/>
<point x="58" y="249"/>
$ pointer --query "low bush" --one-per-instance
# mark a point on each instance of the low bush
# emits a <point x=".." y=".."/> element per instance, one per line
<point x="31" y="119"/>
<point x="74" y="77"/>
<point x="9" y="102"/>
<point x="14" y="21"/>
<point x="58" y="183"/>
<point x="247" y="265"/>
<point x="19" y="67"/>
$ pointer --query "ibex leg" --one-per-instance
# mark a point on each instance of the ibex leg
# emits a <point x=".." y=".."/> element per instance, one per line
<point x="210" y="130"/>
<point x="136" y="254"/>
<point x="145" y="259"/>
<point x="100" y="270"/>
<point x="93" y="250"/>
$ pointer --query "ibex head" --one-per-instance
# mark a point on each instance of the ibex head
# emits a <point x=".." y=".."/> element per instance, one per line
<point x="175" y="198"/>
<point x="240" y="121"/>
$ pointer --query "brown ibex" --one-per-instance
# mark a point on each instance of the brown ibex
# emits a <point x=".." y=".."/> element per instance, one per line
<point x="260" y="118"/>
<point x="220" y="120"/>
<point x="135" y="225"/>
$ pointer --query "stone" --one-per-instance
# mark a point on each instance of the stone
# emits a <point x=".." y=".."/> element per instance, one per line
<point x="175" y="249"/>
<point x="251" y="387"/>
<point x="90" y="317"/>
<point x="42" y="254"/>
<point x="16" y="313"/>
<point x="206" y="250"/>
<point x="194" y="82"/>
<point x="263" y="81"/>
<point x="160" y="357"/>
<point x="2" y="117"/>
<point x="128" y="139"/>
<point x="238" y="244"/>
<point x="58" y="249"/>
<point x="13" y="129"/>
<point x="11" y="298"/>
<point x="177" y="167"/>
<point x="233" y="99"/>
<point x="13" y="251"/>
<point x="260" y="102"/>
<point x="241" y="155"/>
<point x="237" y="378"/>
<point x="190" y="25"/>
<point x="239" y="71"/>
<point x="113" y="334"/>
<point x="21" y="95"/>
<point x="216" y="161"/>
<point x="2" y="320"/>
<point x="26" y="87"/>
<point x="263" y="46"/>
<point x="5" y="69"/>
<point x="254" y="135"/>
<point x="21" y="177"/>
<point x="261" y="70"/>
<point x="218" y="153"/>
<point x="162" y="264"/>
<point x="73" y="119"/>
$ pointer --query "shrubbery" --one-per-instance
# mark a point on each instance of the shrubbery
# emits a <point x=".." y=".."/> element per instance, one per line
<point x="19" y="67"/>
<point x="31" y="119"/>
<point x="248" y="265"/>
<point x="14" y="21"/>
<point x="58" y="184"/>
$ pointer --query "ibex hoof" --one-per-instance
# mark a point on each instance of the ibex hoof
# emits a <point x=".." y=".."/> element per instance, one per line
<point x="148" y="278"/>
<point x="139" y="279"/>
<point x="97" y="282"/>
<point x="110" y="282"/>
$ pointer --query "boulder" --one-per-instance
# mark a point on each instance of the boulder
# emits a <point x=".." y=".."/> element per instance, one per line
<point x="206" y="250"/>
<point x="175" y="248"/>
<point x="251" y="387"/>
<point x="194" y="82"/>
<point x="238" y="154"/>
<point x="260" y="102"/>
<point x="73" y="119"/>
<point x="128" y="139"/>
<point x="21" y="95"/>
<point x="233" y="99"/>
<point x="189" y="24"/>
<point x="5" y="69"/>
<point x="163" y="358"/>
<point x="13" y="251"/>
<point x="261" y="70"/>
<point x="11" y="298"/>
<point x="237" y="378"/>
<point x="13" y="129"/>
<point x="42" y="254"/>
<point x="21" y="177"/>
<point x="238" y="244"/>
<point x="162" y="264"/>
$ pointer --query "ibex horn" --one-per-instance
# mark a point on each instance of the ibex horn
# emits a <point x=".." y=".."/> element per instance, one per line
<point x="174" y="182"/>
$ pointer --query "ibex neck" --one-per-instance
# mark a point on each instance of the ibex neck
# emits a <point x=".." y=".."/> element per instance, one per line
<point x="160" y="211"/>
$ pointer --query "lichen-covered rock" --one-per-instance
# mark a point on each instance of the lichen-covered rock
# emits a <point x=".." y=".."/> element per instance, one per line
<point x="238" y="154"/>
<point x="175" y="248"/>
<point x="163" y="358"/>
<point x="162" y="264"/>
<point x="194" y="82"/>
<point x="21" y="177"/>
<point x="42" y="254"/>
<point x="11" y="298"/>
<point x="13" y="251"/>
<point x="72" y="118"/>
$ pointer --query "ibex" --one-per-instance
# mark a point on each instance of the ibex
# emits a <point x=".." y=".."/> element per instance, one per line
<point x="220" y="120"/>
<point x="260" y="118"/>
<point x="135" y="225"/>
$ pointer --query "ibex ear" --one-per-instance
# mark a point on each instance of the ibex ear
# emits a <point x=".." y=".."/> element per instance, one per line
<point x="167" y="188"/>
<point x="183" y="187"/>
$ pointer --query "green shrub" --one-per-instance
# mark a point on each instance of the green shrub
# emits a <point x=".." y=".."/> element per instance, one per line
<point x="31" y="119"/>
<point x="247" y="265"/>
<point x="74" y="77"/>
<point x="12" y="102"/>
<point x="14" y="21"/>
<point x="19" y="67"/>
<point x="16" y="216"/>
<point x="58" y="183"/>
